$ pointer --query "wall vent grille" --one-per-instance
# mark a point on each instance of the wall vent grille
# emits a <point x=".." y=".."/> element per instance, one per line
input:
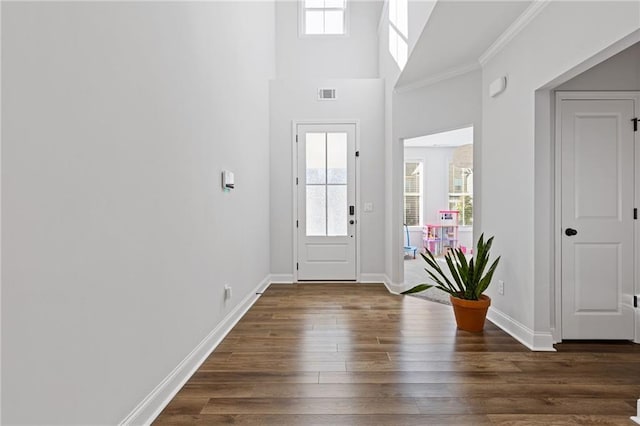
<point x="326" y="94"/>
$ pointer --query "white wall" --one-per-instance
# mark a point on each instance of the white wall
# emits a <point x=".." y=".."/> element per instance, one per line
<point x="350" y="65"/>
<point x="318" y="57"/>
<point x="450" y="104"/>
<point x="117" y="239"/>
<point x="419" y="12"/>
<point x="620" y="72"/>
<point x="357" y="99"/>
<point x="517" y="163"/>
<point x="389" y="71"/>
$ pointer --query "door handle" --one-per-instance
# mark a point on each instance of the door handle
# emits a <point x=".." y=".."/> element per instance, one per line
<point x="352" y="210"/>
<point x="570" y="232"/>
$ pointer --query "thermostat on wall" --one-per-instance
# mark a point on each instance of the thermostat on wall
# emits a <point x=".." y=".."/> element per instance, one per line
<point x="227" y="180"/>
<point x="497" y="86"/>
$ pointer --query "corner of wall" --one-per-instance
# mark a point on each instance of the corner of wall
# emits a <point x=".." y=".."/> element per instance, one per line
<point x="282" y="279"/>
<point x="394" y="287"/>
<point x="536" y="341"/>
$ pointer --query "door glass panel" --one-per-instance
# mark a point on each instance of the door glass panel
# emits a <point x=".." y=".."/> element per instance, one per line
<point x="316" y="210"/>
<point x="337" y="210"/>
<point x="337" y="158"/>
<point x="316" y="158"/>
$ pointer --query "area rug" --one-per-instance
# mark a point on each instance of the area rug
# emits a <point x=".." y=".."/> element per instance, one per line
<point x="433" y="295"/>
<point x="414" y="274"/>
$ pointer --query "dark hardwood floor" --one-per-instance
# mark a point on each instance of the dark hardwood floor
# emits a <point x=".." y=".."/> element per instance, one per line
<point x="353" y="354"/>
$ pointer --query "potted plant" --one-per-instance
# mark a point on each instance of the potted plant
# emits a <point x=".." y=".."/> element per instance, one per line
<point x="469" y="281"/>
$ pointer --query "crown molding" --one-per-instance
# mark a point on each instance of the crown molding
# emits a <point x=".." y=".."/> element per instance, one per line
<point x="455" y="72"/>
<point x="514" y="29"/>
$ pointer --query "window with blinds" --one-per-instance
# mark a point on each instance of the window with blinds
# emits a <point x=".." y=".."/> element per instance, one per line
<point x="413" y="193"/>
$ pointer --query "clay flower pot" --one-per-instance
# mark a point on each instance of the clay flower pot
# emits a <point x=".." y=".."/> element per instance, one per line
<point x="470" y="314"/>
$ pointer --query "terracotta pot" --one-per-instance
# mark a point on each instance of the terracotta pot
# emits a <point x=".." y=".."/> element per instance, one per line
<point x="470" y="314"/>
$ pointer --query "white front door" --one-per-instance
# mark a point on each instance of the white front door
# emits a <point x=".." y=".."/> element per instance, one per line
<point x="597" y="193"/>
<point x="326" y="222"/>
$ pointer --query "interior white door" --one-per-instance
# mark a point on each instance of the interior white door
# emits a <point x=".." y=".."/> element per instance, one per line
<point x="597" y="148"/>
<point x="326" y="202"/>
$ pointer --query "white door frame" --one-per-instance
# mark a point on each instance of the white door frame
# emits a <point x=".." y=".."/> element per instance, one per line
<point x="294" y="168"/>
<point x="586" y="95"/>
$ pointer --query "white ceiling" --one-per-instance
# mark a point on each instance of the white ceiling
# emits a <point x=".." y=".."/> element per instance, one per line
<point x="456" y="35"/>
<point x="457" y="137"/>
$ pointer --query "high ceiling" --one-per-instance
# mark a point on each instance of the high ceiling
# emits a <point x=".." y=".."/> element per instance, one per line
<point x="456" y="35"/>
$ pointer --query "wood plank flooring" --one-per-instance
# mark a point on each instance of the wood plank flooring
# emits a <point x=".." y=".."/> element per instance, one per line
<point x="353" y="354"/>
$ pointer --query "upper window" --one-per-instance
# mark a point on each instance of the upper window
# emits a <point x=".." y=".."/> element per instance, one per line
<point x="324" y="17"/>
<point x="399" y="31"/>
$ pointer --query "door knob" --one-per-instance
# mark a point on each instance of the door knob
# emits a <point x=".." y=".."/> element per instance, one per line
<point x="570" y="232"/>
<point x="352" y="221"/>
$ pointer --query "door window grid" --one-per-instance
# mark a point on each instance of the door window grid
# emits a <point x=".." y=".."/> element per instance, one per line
<point x="326" y="184"/>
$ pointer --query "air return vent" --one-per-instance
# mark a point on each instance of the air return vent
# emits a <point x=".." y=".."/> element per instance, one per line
<point x="326" y="94"/>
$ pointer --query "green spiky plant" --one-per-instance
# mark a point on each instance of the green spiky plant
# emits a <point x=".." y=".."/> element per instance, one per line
<point x="469" y="279"/>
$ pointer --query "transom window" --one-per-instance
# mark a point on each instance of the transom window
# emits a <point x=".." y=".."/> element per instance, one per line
<point x="399" y="31"/>
<point x="324" y="17"/>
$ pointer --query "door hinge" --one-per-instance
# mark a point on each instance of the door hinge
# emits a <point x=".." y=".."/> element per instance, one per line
<point x="357" y="153"/>
<point x="296" y="223"/>
<point x="635" y="213"/>
<point x="296" y="181"/>
<point x="635" y="124"/>
<point x="297" y="266"/>
<point x="296" y="138"/>
<point x="635" y="301"/>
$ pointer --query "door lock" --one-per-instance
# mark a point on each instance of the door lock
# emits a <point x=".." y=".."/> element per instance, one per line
<point x="570" y="232"/>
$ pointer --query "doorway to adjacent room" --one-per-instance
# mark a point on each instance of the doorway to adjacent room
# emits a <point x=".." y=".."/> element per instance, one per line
<point x="437" y="201"/>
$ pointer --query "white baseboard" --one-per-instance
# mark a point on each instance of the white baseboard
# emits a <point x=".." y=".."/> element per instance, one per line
<point x="637" y="339"/>
<point x="153" y="404"/>
<point x="394" y="288"/>
<point x="637" y="418"/>
<point x="373" y="278"/>
<point x="281" y="278"/>
<point x="520" y="332"/>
